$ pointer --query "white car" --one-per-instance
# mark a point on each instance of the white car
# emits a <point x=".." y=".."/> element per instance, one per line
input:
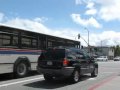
<point x="102" y="58"/>
<point x="117" y="58"/>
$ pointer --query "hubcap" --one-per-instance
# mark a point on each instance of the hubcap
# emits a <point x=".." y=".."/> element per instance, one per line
<point x="76" y="76"/>
<point x="21" y="69"/>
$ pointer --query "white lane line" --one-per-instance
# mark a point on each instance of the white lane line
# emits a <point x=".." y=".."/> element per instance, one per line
<point x="18" y="82"/>
<point x="92" y="79"/>
<point x="107" y="72"/>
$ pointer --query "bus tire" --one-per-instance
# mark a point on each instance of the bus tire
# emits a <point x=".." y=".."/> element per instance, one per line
<point x="21" y="69"/>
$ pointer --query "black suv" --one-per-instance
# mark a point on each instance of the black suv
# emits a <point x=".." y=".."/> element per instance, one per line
<point x="66" y="62"/>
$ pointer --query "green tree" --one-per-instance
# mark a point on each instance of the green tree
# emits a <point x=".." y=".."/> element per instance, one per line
<point x="117" y="50"/>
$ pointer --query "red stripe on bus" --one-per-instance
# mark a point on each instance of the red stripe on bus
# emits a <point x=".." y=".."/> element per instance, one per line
<point x="21" y="50"/>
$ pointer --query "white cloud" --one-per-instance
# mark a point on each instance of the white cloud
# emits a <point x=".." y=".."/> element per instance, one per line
<point x="110" y="12"/>
<point x="35" y="26"/>
<point x="38" y="19"/>
<point x="27" y="24"/>
<point x="109" y="9"/>
<point x="85" y="22"/>
<point x="105" y="2"/>
<point x="1" y="16"/>
<point x="42" y="19"/>
<point x="107" y="37"/>
<point x="90" y="5"/>
<point x="91" y="12"/>
<point x="78" y="2"/>
<point x="91" y="9"/>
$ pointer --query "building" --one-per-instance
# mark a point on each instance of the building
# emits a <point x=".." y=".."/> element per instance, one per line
<point x="101" y="51"/>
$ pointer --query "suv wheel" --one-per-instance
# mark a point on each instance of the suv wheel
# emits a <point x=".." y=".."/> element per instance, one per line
<point x="48" y="77"/>
<point x="94" y="73"/>
<point x="75" y="76"/>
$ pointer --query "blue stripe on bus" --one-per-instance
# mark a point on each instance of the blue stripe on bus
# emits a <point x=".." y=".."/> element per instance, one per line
<point x="20" y="52"/>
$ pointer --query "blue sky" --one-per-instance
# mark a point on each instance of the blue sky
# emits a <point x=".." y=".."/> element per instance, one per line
<point x="66" y="18"/>
<point x="57" y="11"/>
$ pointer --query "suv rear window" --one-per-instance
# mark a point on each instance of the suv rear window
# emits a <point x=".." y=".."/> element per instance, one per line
<point x="54" y="54"/>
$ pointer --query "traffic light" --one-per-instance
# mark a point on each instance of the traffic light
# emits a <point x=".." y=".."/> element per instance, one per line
<point x="78" y="36"/>
<point x="82" y="47"/>
<point x="95" y="49"/>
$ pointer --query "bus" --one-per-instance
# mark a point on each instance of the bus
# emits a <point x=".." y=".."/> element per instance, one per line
<point x="20" y="49"/>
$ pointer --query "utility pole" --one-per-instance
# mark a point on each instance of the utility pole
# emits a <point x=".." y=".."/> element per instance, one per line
<point x="88" y="40"/>
<point x="101" y="46"/>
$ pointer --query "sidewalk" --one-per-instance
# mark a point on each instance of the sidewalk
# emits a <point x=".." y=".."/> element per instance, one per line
<point x="112" y="83"/>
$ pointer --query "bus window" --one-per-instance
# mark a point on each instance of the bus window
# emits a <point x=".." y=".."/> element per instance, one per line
<point x="26" y="42"/>
<point x="34" y="43"/>
<point x="8" y="40"/>
<point x="15" y="41"/>
<point x="4" y="39"/>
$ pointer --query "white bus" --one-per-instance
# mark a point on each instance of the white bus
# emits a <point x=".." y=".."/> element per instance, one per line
<point x="20" y="49"/>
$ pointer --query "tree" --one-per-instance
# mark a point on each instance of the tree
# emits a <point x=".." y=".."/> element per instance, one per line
<point x="117" y="50"/>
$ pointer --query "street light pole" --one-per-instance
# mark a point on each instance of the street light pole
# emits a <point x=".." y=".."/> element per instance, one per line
<point x="88" y="39"/>
<point x="101" y="46"/>
<point x="88" y="35"/>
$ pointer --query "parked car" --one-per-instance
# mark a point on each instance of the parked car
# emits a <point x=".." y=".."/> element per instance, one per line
<point x="102" y="58"/>
<point x="117" y="58"/>
<point x="66" y="63"/>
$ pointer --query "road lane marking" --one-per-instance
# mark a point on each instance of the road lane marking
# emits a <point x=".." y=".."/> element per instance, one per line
<point x="18" y="82"/>
<point x="108" y="72"/>
<point x="102" y="82"/>
<point x="92" y="79"/>
<point x="102" y="68"/>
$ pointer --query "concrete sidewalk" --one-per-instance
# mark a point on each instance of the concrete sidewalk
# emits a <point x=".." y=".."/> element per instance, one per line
<point x="112" y="83"/>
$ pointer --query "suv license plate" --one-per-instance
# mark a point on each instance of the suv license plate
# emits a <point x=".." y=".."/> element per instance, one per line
<point x="49" y="63"/>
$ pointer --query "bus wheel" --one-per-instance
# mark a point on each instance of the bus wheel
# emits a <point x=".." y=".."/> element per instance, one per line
<point x="21" y="69"/>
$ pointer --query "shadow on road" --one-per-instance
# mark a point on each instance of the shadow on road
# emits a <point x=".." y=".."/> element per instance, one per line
<point x="54" y="84"/>
<point x="9" y="76"/>
<point x="5" y="77"/>
<point x="48" y="85"/>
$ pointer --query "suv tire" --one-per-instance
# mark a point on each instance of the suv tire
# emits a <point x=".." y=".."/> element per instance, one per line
<point x="95" y="72"/>
<point x="75" y="76"/>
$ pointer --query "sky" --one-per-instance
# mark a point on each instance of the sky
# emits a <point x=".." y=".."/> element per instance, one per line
<point x="66" y="18"/>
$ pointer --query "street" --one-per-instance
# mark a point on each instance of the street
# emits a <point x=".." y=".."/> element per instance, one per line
<point x="107" y="72"/>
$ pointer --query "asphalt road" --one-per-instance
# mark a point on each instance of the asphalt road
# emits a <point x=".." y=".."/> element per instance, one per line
<point x="107" y="70"/>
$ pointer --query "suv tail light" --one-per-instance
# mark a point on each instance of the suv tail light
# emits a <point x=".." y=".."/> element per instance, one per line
<point x="65" y="62"/>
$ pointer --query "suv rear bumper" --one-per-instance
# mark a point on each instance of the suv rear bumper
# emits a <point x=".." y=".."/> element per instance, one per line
<point x="65" y="71"/>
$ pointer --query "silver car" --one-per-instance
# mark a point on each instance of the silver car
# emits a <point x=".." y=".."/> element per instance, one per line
<point x="102" y="58"/>
<point x="117" y="58"/>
